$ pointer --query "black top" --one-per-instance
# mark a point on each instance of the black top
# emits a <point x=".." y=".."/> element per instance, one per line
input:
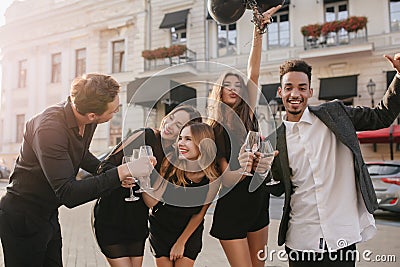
<point x="228" y="145"/>
<point x="242" y="207"/>
<point x="51" y="154"/>
<point x="116" y="220"/>
<point x="188" y="199"/>
<point x="169" y="218"/>
<point x="180" y="213"/>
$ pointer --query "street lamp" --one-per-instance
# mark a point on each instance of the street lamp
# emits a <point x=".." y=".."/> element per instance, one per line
<point x="273" y="104"/>
<point x="371" y="86"/>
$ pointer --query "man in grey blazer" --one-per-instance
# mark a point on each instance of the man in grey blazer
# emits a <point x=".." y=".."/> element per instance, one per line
<point x="329" y="197"/>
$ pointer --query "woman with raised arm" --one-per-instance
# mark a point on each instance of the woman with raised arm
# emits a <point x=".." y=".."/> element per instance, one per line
<point x="121" y="227"/>
<point x="241" y="216"/>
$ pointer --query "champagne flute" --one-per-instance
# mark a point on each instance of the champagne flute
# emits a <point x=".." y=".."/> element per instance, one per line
<point x="131" y="197"/>
<point x="267" y="151"/>
<point x="145" y="186"/>
<point x="252" y="143"/>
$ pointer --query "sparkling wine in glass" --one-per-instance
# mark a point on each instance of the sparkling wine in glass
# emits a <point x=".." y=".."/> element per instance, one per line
<point x="131" y="197"/>
<point x="252" y="143"/>
<point x="267" y="151"/>
<point x="145" y="186"/>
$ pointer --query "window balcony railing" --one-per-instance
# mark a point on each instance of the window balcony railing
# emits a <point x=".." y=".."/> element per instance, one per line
<point x="336" y="39"/>
<point x="335" y="33"/>
<point x="165" y="57"/>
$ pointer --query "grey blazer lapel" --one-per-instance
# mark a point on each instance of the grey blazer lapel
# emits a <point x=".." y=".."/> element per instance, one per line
<point x="281" y="146"/>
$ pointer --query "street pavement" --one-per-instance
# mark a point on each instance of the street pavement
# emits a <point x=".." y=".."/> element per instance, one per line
<point x="80" y="248"/>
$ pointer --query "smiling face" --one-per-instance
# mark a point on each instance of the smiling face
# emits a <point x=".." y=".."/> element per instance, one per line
<point x="295" y="92"/>
<point x="173" y="123"/>
<point x="187" y="148"/>
<point x="230" y="90"/>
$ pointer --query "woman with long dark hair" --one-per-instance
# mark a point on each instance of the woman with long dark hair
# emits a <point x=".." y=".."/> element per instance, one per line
<point x="241" y="216"/>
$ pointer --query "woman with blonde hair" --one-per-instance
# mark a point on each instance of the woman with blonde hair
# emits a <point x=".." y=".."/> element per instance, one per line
<point x="184" y="190"/>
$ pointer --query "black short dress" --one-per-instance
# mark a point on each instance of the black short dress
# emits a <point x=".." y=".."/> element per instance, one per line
<point x="239" y="210"/>
<point x="121" y="227"/>
<point x="168" y="221"/>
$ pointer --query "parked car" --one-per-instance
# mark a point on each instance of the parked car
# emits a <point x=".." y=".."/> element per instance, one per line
<point x="386" y="180"/>
<point x="4" y="172"/>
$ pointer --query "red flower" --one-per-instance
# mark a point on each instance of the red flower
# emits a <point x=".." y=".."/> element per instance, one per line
<point x="148" y="54"/>
<point x="332" y="26"/>
<point x="353" y="24"/>
<point x="312" y="30"/>
<point x="164" y="52"/>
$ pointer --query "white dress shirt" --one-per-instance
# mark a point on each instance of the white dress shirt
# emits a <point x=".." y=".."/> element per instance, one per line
<point x="326" y="206"/>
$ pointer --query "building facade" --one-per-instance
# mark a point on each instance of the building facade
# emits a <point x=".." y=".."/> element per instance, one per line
<point x="46" y="43"/>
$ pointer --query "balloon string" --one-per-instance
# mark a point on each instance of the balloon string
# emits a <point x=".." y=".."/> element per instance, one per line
<point x="257" y="17"/>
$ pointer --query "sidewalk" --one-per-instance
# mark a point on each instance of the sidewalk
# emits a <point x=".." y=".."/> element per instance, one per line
<point x="80" y="247"/>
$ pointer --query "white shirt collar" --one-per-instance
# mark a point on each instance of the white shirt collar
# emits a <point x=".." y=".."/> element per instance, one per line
<point x="307" y="117"/>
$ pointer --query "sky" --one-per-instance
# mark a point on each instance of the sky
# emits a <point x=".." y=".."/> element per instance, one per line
<point x="3" y="6"/>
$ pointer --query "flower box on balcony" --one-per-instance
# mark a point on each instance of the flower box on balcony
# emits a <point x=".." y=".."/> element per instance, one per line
<point x="164" y="52"/>
<point x="332" y="26"/>
<point x="353" y="24"/>
<point x="312" y="30"/>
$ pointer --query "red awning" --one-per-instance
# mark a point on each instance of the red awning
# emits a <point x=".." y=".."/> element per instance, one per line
<point x="385" y="135"/>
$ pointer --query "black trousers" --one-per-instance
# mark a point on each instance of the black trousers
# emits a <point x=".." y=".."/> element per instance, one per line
<point x="30" y="240"/>
<point x="345" y="257"/>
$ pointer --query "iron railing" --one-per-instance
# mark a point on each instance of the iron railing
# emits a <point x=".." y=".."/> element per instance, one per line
<point x="336" y="39"/>
<point x="155" y="64"/>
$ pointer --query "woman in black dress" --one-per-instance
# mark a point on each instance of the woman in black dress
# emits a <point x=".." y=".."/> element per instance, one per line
<point x="241" y="216"/>
<point x="121" y="227"/>
<point x="184" y="190"/>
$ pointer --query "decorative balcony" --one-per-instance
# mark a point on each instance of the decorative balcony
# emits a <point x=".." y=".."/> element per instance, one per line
<point x="167" y="56"/>
<point x="335" y="33"/>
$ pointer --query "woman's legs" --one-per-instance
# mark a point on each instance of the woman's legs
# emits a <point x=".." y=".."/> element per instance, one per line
<point x="126" y="262"/>
<point x="257" y="241"/>
<point x="184" y="262"/>
<point x="245" y="252"/>
<point x="164" y="262"/>
<point x="137" y="261"/>
<point x="237" y="251"/>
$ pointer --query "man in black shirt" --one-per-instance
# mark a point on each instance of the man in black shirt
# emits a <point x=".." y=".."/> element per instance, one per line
<point x="55" y="145"/>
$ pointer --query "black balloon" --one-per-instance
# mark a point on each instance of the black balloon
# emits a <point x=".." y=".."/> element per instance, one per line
<point x="229" y="11"/>
<point x="226" y="11"/>
<point x="264" y="5"/>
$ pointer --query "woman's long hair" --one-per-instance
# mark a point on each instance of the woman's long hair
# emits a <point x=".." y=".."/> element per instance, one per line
<point x="203" y="137"/>
<point x="194" y="114"/>
<point x="219" y="112"/>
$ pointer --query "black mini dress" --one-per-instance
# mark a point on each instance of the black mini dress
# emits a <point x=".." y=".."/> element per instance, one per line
<point x="168" y="221"/>
<point x="239" y="209"/>
<point x="121" y="227"/>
